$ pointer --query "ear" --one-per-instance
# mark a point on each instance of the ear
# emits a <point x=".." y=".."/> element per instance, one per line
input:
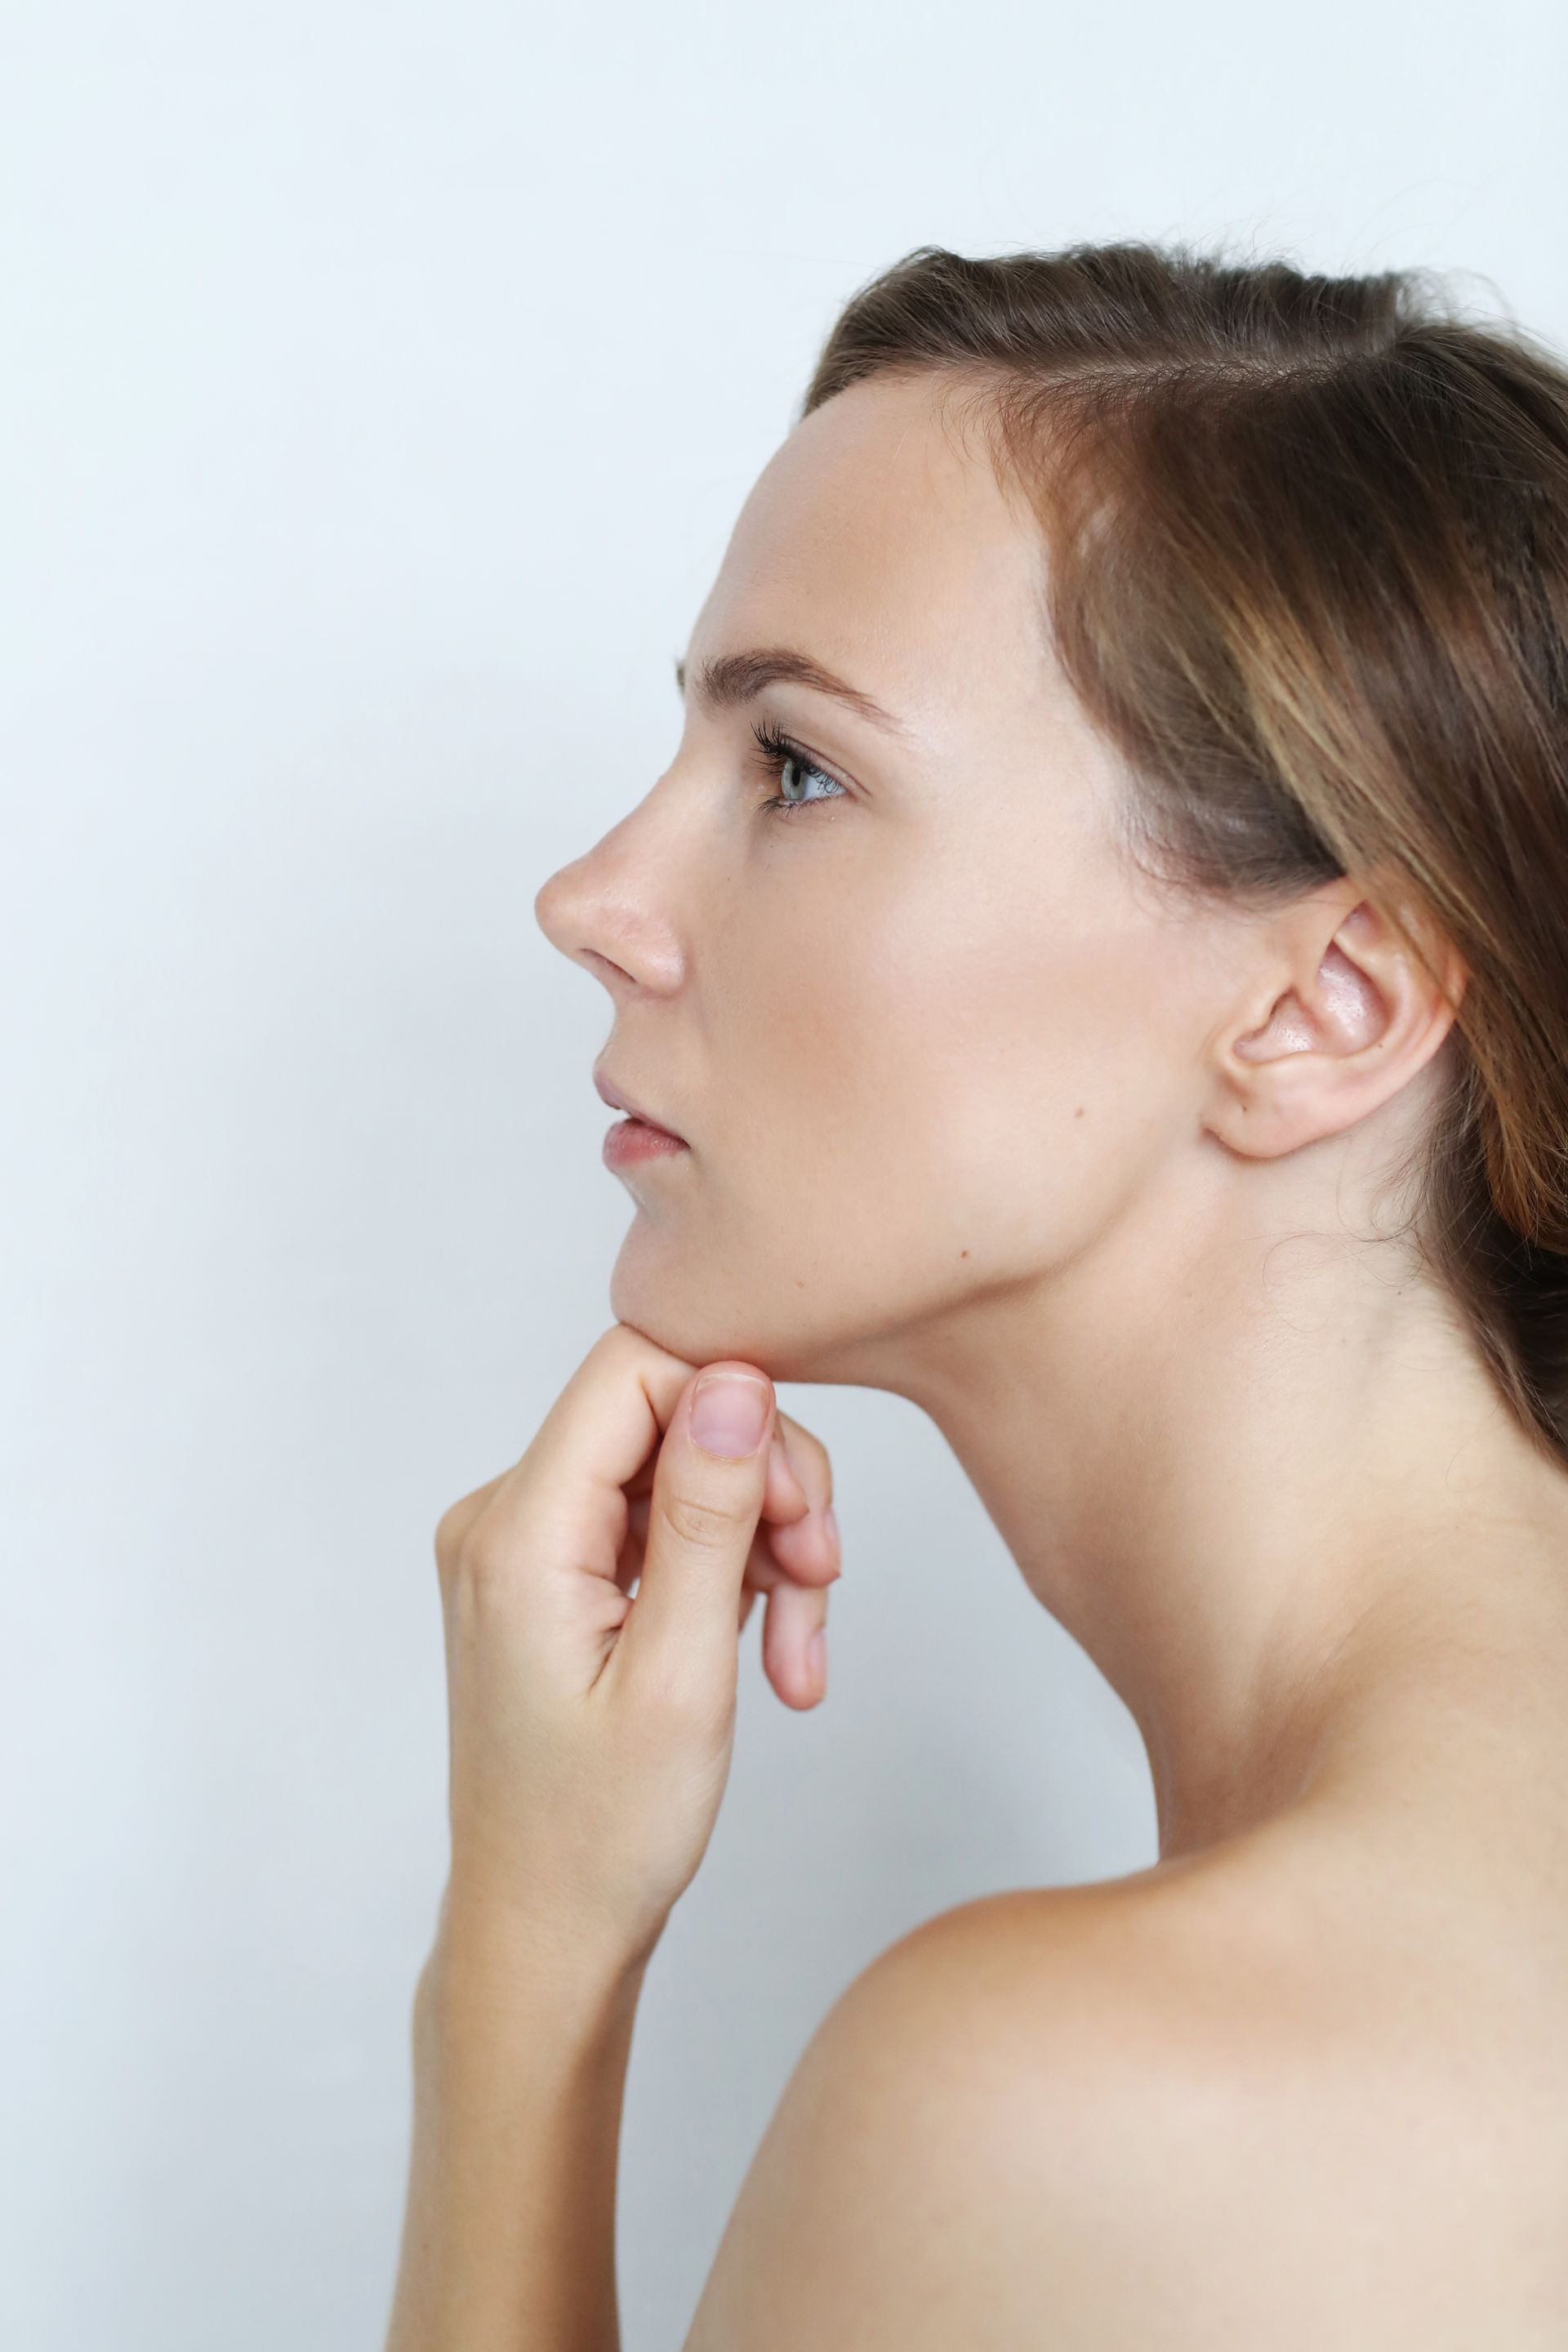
<point x="1341" y="1017"/>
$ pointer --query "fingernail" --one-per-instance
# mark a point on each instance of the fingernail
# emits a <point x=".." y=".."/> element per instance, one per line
<point x="816" y="1657"/>
<point x="729" y="1414"/>
<point x="831" y="1521"/>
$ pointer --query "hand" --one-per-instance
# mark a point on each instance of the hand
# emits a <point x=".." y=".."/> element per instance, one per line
<point x="590" y="1728"/>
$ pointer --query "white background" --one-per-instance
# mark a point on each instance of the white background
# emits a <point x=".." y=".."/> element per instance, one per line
<point x="379" y="385"/>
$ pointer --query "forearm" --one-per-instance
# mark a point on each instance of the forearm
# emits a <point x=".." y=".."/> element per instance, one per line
<point x="520" y="2061"/>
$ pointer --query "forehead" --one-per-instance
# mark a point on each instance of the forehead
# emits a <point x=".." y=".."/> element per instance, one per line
<point x="879" y="539"/>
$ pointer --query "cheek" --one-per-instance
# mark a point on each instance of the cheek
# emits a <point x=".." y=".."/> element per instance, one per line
<point x="812" y="1039"/>
<point x="804" y="999"/>
<point x="921" y="1073"/>
<point x="1025" y="1068"/>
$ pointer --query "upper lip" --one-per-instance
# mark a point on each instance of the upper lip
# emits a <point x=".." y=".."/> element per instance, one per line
<point x="618" y="1100"/>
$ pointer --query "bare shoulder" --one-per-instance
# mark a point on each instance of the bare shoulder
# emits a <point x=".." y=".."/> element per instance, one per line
<point x="1149" y="2111"/>
<point x="980" y="2131"/>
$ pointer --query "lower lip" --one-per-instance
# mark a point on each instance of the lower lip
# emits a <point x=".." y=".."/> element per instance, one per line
<point x="633" y="1138"/>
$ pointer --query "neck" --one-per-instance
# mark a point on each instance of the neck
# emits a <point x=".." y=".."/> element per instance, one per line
<point x="1274" y="1499"/>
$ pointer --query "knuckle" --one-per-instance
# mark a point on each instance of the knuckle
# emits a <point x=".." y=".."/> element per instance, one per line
<point x="450" y="1529"/>
<point x="622" y="1339"/>
<point x="697" y="1521"/>
<point x="459" y="1534"/>
<point x="683" y="1701"/>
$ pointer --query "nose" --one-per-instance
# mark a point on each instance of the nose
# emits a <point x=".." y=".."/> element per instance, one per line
<point x="595" y="911"/>
<point x="553" y="906"/>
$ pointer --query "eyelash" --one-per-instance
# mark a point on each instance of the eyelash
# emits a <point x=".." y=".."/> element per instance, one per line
<point x="775" y="748"/>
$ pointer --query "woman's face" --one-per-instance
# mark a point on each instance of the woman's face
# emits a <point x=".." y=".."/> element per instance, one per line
<point x="921" y="1031"/>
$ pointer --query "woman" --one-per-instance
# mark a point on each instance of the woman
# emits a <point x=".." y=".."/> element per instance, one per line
<point x="1102" y="942"/>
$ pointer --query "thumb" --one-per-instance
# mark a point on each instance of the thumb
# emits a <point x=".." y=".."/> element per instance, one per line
<point x="708" y="1488"/>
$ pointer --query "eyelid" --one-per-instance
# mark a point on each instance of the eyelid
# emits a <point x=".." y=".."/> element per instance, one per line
<point x="796" y="749"/>
<point x="813" y="761"/>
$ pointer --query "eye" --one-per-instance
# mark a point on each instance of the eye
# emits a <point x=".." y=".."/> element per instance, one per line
<point x="781" y="760"/>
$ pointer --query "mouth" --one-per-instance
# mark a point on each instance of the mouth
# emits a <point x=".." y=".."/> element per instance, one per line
<point x="618" y="1100"/>
<point x="631" y="1141"/>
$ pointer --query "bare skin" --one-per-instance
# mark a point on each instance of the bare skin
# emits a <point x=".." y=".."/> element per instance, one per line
<point x="1102" y="1185"/>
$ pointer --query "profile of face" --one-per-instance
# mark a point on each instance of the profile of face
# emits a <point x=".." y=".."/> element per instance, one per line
<point x="924" y="1032"/>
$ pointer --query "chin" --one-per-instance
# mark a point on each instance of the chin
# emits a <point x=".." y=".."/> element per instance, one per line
<point x="669" y="1307"/>
<point x="662" y="1309"/>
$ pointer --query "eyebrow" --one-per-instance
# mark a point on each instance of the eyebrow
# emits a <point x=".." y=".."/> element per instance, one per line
<point x="729" y="679"/>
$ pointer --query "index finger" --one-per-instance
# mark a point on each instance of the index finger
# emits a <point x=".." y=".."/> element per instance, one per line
<point x="569" y="1487"/>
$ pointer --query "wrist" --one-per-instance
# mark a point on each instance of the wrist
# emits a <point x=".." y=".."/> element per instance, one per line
<point x="493" y="1963"/>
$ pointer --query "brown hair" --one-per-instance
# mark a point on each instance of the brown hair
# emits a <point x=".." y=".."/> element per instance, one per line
<point x="1309" y="573"/>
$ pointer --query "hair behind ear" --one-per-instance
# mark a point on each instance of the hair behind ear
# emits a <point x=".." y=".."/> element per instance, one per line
<point x="1309" y="541"/>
